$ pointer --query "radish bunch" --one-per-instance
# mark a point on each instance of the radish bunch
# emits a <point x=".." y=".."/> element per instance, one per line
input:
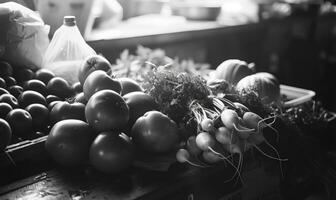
<point x="228" y="128"/>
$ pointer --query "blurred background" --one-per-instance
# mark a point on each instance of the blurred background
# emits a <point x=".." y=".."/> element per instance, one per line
<point x="293" y="39"/>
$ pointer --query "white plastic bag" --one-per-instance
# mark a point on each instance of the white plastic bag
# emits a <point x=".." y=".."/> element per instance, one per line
<point x="66" y="51"/>
<point x="27" y="36"/>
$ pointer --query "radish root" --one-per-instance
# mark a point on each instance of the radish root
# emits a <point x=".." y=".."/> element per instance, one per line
<point x="237" y="168"/>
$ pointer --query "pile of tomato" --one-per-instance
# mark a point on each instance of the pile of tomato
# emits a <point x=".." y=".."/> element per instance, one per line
<point x="101" y="120"/>
<point x="26" y="100"/>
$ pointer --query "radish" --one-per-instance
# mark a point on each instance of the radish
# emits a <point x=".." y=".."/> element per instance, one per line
<point x="211" y="157"/>
<point x="229" y="117"/>
<point x="257" y="123"/>
<point x="254" y="121"/>
<point x="192" y="146"/>
<point x="251" y="120"/>
<point x="205" y="141"/>
<point x="223" y="135"/>
<point x="207" y="124"/>
<point x="183" y="156"/>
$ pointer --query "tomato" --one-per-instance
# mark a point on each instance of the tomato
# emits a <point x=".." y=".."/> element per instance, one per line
<point x="91" y="64"/>
<point x="23" y="75"/>
<point x="10" y="81"/>
<point x="99" y="80"/>
<point x="81" y="98"/>
<point x="111" y="152"/>
<point x="29" y="97"/>
<point x="21" y="122"/>
<point x="69" y="142"/>
<point x="129" y="85"/>
<point x="35" y="85"/>
<point x="44" y="75"/>
<point x="40" y="116"/>
<point x="3" y="91"/>
<point x="52" y="104"/>
<point x="59" y="87"/>
<point x="64" y="110"/>
<point x="5" y="108"/>
<point x="5" y="134"/>
<point x="106" y="110"/>
<point x="10" y="99"/>
<point x="2" y="83"/>
<point x="50" y="98"/>
<point x="77" y="87"/>
<point x="5" y="69"/>
<point x="139" y="103"/>
<point x="155" y="132"/>
<point x="15" y="90"/>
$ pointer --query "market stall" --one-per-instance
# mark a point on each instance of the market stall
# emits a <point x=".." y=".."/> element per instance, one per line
<point x="75" y="125"/>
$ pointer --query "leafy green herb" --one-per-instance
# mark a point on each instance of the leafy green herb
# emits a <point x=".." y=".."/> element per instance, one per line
<point x="174" y="91"/>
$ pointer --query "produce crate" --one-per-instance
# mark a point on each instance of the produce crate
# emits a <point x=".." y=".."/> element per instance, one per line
<point x="295" y="96"/>
<point x="23" y="159"/>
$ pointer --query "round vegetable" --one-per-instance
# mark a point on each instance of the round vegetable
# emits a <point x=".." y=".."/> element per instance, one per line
<point x="111" y="152"/>
<point x="223" y="135"/>
<point x="91" y="64"/>
<point x="139" y="103"/>
<point x="99" y="80"/>
<point x="204" y="140"/>
<point x="10" y="99"/>
<point x="69" y="142"/>
<point x="106" y="110"/>
<point x="15" y="90"/>
<point x="50" y="98"/>
<point x="21" y="122"/>
<point x="233" y="70"/>
<point x="40" y="116"/>
<point x="35" y="85"/>
<point x="5" y="134"/>
<point x="81" y="98"/>
<point x="229" y="118"/>
<point x="64" y="110"/>
<point x="129" y="85"/>
<point x="52" y="104"/>
<point x="44" y="75"/>
<point x="77" y="87"/>
<point x="155" y="132"/>
<point x="59" y="87"/>
<point x="264" y="84"/>
<point x="192" y="147"/>
<point x="29" y="97"/>
<point x="210" y="157"/>
<point x="5" y="108"/>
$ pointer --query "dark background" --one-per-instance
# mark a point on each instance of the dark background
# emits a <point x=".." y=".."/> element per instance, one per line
<point x="300" y="50"/>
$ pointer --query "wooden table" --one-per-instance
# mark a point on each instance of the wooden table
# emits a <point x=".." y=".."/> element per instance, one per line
<point x="180" y="182"/>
